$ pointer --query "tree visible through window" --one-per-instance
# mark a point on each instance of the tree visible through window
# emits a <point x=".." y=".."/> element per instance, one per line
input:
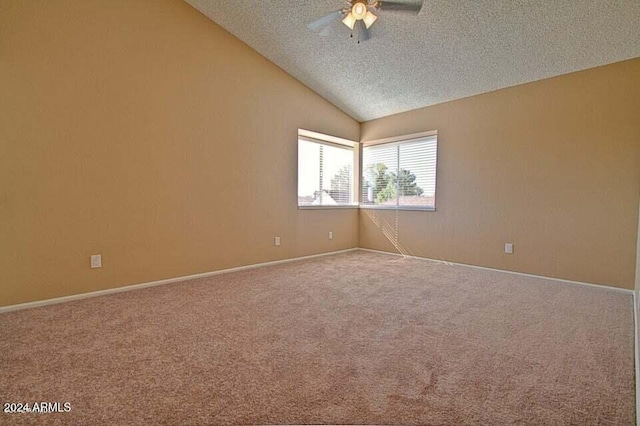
<point x="400" y="174"/>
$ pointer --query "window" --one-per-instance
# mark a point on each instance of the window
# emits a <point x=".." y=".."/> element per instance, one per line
<point x="400" y="174"/>
<point x="325" y="172"/>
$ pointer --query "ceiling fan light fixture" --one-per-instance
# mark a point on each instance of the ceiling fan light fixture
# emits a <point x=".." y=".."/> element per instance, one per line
<point x="349" y="20"/>
<point x="369" y="19"/>
<point x="359" y="10"/>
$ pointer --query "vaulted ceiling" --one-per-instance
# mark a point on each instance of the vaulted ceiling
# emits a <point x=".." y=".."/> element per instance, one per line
<point x="452" y="49"/>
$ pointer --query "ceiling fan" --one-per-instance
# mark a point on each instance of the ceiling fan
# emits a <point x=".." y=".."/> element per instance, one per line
<point x="362" y="14"/>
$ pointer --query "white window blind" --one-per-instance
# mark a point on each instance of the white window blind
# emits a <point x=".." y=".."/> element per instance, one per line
<point x="400" y="174"/>
<point x="325" y="173"/>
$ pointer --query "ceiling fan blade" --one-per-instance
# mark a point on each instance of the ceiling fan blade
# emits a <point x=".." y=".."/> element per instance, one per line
<point x="327" y="30"/>
<point x="401" y="6"/>
<point x="363" y="32"/>
<point x="319" y="24"/>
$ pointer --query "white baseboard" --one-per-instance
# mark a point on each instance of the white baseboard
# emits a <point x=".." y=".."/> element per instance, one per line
<point x="72" y="297"/>
<point x="63" y="299"/>
<point x="605" y="287"/>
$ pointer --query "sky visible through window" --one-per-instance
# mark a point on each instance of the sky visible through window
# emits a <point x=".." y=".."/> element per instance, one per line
<point x="336" y="164"/>
<point x="308" y="168"/>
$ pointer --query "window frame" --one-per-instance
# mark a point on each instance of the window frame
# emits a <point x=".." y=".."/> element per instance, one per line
<point x="334" y="141"/>
<point x="399" y="140"/>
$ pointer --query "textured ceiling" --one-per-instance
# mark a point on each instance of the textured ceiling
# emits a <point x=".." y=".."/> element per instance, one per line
<point x="452" y="49"/>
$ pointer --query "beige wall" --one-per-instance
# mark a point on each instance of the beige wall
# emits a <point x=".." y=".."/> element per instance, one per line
<point x="142" y="131"/>
<point x="552" y="167"/>
<point x="124" y="124"/>
<point x="637" y="285"/>
<point x="637" y="316"/>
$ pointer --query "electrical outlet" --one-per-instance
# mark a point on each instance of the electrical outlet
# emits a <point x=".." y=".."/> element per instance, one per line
<point x="276" y="241"/>
<point x="331" y="235"/>
<point x="96" y="261"/>
<point x="508" y="248"/>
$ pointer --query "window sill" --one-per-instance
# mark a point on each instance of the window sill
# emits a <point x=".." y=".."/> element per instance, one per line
<point x="352" y="206"/>
<point x="369" y="207"/>
<point x="415" y="208"/>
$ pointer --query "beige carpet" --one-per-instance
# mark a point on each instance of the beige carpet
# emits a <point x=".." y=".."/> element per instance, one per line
<point x="355" y="338"/>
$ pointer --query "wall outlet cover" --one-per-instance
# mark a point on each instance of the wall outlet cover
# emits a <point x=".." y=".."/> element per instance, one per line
<point x="96" y="261"/>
